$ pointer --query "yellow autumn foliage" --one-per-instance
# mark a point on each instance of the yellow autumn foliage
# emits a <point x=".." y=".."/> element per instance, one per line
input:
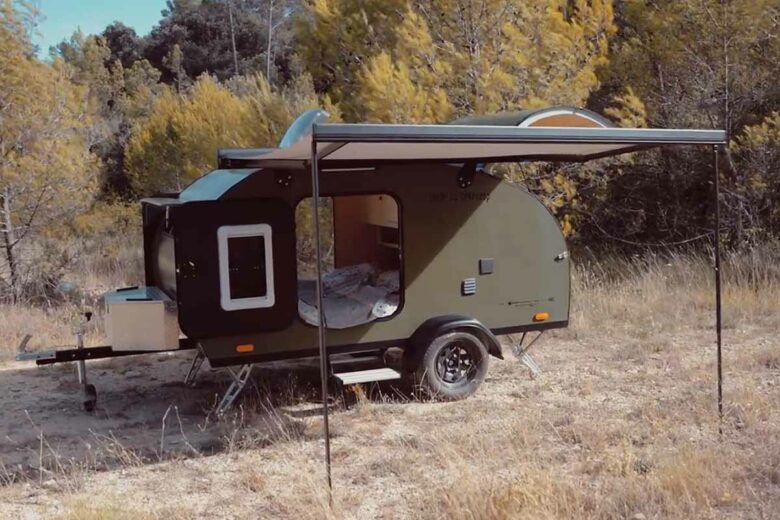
<point x="336" y="37"/>
<point x="628" y="110"/>
<point x="47" y="172"/>
<point x="46" y="169"/>
<point x="178" y="142"/>
<point x="454" y="58"/>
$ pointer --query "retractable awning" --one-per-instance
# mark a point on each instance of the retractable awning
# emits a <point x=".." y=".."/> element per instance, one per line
<point x="367" y="144"/>
<point x="372" y="143"/>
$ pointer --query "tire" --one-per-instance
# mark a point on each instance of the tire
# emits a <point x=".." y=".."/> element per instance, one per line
<point x="453" y="366"/>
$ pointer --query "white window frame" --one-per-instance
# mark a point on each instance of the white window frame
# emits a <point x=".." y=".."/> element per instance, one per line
<point x="224" y="233"/>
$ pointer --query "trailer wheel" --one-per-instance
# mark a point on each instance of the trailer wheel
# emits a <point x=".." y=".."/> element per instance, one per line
<point x="453" y="366"/>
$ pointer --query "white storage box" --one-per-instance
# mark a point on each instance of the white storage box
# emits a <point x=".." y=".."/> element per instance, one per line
<point x="142" y="318"/>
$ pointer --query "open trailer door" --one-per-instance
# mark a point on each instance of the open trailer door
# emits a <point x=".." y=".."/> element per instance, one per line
<point x="235" y="266"/>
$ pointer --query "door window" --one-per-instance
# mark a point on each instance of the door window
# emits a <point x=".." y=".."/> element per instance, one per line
<point x="246" y="278"/>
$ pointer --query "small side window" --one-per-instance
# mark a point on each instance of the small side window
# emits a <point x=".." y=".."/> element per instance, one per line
<point x="246" y="271"/>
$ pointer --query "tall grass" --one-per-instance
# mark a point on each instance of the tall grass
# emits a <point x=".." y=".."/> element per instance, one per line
<point x="663" y="292"/>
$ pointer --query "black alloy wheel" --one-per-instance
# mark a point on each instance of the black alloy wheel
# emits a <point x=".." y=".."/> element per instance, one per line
<point x="453" y="366"/>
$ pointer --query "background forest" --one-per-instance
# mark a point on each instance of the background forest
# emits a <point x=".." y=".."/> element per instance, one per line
<point x="108" y="118"/>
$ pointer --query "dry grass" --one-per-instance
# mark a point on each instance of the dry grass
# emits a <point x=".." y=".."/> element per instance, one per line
<point x="645" y="296"/>
<point x="50" y="322"/>
<point x="622" y="424"/>
<point x="84" y="509"/>
<point x="113" y="508"/>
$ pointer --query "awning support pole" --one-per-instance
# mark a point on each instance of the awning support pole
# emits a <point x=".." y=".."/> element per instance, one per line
<point x="315" y="196"/>
<point x="718" y="313"/>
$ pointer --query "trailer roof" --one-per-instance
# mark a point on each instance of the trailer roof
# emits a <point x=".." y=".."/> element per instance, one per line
<point x="374" y="143"/>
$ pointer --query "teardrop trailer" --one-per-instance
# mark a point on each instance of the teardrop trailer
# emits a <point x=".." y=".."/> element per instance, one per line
<point x="427" y="252"/>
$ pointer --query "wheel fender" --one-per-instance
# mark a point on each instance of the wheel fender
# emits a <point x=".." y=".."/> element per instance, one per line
<point x="439" y="325"/>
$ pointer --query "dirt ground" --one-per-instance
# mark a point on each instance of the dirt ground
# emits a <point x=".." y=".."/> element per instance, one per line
<point x="615" y="427"/>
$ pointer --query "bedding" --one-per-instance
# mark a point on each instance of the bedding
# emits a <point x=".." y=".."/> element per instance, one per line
<point x="352" y="296"/>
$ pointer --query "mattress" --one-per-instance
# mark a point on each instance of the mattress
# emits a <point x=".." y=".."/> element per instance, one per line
<point x="352" y="296"/>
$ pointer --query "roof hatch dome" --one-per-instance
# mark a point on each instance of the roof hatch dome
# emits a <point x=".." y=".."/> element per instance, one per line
<point x="560" y="116"/>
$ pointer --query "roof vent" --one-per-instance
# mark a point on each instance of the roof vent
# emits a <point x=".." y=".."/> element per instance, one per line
<point x="301" y="127"/>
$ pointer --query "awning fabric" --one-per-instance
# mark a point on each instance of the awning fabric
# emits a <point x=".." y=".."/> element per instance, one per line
<point x="346" y="144"/>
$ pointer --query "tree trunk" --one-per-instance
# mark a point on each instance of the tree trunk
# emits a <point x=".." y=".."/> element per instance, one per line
<point x="233" y="36"/>
<point x="270" y="40"/>
<point x="9" y="241"/>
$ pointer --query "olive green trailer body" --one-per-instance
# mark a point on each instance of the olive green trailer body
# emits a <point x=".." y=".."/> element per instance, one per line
<point x="448" y="234"/>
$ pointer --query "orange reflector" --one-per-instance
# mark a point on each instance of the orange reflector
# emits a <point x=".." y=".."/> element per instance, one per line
<point x="541" y="316"/>
<point x="245" y="348"/>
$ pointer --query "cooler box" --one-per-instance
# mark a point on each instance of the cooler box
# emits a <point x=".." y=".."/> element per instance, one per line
<point x="141" y="318"/>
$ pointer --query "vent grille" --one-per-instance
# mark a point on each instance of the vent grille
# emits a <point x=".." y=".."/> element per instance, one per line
<point x="468" y="286"/>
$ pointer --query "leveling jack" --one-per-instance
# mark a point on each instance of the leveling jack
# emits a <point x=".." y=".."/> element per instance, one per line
<point x="522" y="353"/>
<point x="88" y="391"/>
<point x="78" y="353"/>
